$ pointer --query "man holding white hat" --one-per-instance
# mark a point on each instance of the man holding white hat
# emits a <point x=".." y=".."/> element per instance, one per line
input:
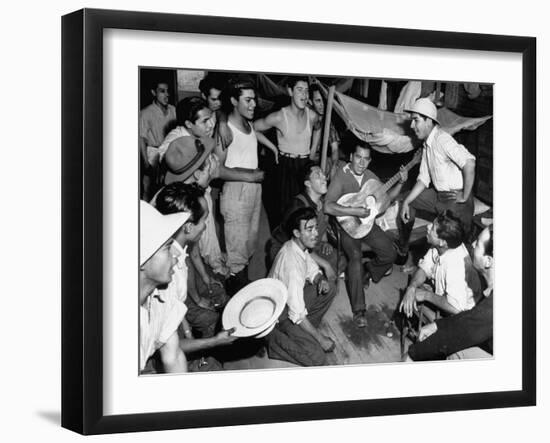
<point x="159" y="318"/>
<point x="447" y="165"/>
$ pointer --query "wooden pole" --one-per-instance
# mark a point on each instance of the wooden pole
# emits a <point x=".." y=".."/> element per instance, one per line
<point x="326" y="132"/>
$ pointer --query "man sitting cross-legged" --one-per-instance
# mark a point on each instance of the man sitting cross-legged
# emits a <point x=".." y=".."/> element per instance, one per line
<point x="296" y="338"/>
<point x="449" y="267"/>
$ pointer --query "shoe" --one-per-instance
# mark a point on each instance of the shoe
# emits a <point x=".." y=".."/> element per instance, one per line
<point x="360" y="319"/>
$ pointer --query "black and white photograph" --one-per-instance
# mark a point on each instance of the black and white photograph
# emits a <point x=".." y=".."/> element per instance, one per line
<point x="292" y="220"/>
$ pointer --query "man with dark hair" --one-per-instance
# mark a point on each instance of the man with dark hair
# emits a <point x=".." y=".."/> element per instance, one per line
<point x="350" y="179"/>
<point x="211" y="87"/>
<point x="241" y="201"/>
<point x="318" y="104"/>
<point x="448" y="266"/>
<point x="314" y="188"/>
<point x="468" y="334"/>
<point x="172" y="199"/>
<point x="296" y="338"/>
<point x="446" y="165"/>
<point x="154" y="121"/>
<point x="298" y="129"/>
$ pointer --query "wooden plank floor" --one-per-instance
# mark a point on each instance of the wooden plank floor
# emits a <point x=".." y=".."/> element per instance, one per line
<point x="379" y="342"/>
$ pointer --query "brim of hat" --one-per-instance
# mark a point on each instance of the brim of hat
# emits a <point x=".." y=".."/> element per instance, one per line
<point x="171" y="177"/>
<point x="421" y="113"/>
<point x="255" y="308"/>
<point x="167" y="227"/>
<point x="267" y="330"/>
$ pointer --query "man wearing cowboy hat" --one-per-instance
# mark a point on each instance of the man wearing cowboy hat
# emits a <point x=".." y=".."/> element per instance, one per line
<point x="159" y="316"/>
<point x="446" y="165"/>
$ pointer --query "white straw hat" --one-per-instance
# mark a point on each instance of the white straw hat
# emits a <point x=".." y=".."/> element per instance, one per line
<point x="425" y="107"/>
<point x="155" y="229"/>
<point x="255" y="308"/>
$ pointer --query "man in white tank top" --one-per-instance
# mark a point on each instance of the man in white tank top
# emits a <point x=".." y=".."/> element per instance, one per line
<point x="241" y="201"/>
<point x="298" y="128"/>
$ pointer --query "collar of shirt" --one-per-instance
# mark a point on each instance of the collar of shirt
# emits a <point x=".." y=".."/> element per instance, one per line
<point x="431" y="137"/>
<point x="182" y="251"/>
<point x="359" y="178"/>
<point x="302" y="253"/>
<point x="449" y="254"/>
<point x="161" y="109"/>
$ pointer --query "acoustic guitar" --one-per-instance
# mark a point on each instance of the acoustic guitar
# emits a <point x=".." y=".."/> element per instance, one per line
<point x="373" y="195"/>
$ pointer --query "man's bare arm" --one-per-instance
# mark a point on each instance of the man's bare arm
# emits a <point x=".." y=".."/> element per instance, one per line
<point x="172" y="357"/>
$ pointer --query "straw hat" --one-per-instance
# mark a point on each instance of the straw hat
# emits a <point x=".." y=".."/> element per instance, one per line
<point x="255" y="308"/>
<point x="425" y="107"/>
<point x="155" y="229"/>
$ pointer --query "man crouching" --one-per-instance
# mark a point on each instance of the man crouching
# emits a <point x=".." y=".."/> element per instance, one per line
<point x="297" y="338"/>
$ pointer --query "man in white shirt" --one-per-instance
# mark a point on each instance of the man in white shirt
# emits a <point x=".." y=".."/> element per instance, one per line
<point x="296" y="338"/>
<point x="160" y="315"/>
<point x="449" y="267"/>
<point x="446" y="165"/>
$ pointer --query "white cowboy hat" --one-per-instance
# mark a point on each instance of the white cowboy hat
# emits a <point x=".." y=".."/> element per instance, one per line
<point x="155" y="229"/>
<point x="255" y="308"/>
<point x="425" y="107"/>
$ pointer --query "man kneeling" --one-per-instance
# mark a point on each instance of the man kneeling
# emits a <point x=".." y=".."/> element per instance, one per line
<point x="296" y="337"/>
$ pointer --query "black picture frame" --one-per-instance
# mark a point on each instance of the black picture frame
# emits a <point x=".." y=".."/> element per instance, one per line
<point x="82" y="218"/>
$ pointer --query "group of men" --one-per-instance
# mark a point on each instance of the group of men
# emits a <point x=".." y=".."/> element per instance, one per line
<point x="192" y="266"/>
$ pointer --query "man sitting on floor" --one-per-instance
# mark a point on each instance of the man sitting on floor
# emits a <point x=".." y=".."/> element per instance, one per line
<point x="296" y="338"/>
<point x="159" y="314"/>
<point x="172" y="199"/>
<point x="315" y="187"/>
<point x="468" y="334"/>
<point x="449" y="267"/>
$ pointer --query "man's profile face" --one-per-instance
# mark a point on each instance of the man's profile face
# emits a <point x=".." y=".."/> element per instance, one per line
<point x="308" y="234"/>
<point x="214" y="100"/>
<point x="159" y="267"/>
<point x="246" y="104"/>
<point x="318" y="180"/>
<point x="161" y="94"/>
<point x="318" y="103"/>
<point x="199" y="228"/>
<point x="431" y="234"/>
<point x="360" y="160"/>
<point x="203" y="125"/>
<point x="422" y="126"/>
<point x="479" y="258"/>
<point x="299" y="94"/>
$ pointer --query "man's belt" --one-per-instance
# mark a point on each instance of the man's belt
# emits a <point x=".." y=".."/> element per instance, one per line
<point x="286" y="154"/>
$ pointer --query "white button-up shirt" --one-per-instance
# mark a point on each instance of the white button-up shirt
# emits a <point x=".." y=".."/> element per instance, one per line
<point x="448" y="273"/>
<point x="177" y="288"/>
<point x="442" y="161"/>
<point x="294" y="267"/>
<point x="158" y="320"/>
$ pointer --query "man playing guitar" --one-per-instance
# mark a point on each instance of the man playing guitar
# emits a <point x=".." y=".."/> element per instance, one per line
<point x="350" y="179"/>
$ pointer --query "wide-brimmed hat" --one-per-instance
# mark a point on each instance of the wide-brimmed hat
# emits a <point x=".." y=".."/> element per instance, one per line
<point x="425" y="107"/>
<point x="255" y="308"/>
<point x="155" y="229"/>
<point x="185" y="155"/>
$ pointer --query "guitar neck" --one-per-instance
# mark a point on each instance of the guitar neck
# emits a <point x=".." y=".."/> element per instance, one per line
<point x="392" y="181"/>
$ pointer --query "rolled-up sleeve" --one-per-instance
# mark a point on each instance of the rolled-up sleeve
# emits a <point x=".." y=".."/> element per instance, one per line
<point x="427" y="263"/>
<point x="296" y="306"/>
<point x="455" y="151"/>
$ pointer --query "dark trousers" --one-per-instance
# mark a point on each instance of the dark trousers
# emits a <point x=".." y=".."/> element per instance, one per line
<point x="289" y="179"/>
<point x="290" y="342"/>
<point x="385" y="255"/>
<point x="428" y="204"/>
